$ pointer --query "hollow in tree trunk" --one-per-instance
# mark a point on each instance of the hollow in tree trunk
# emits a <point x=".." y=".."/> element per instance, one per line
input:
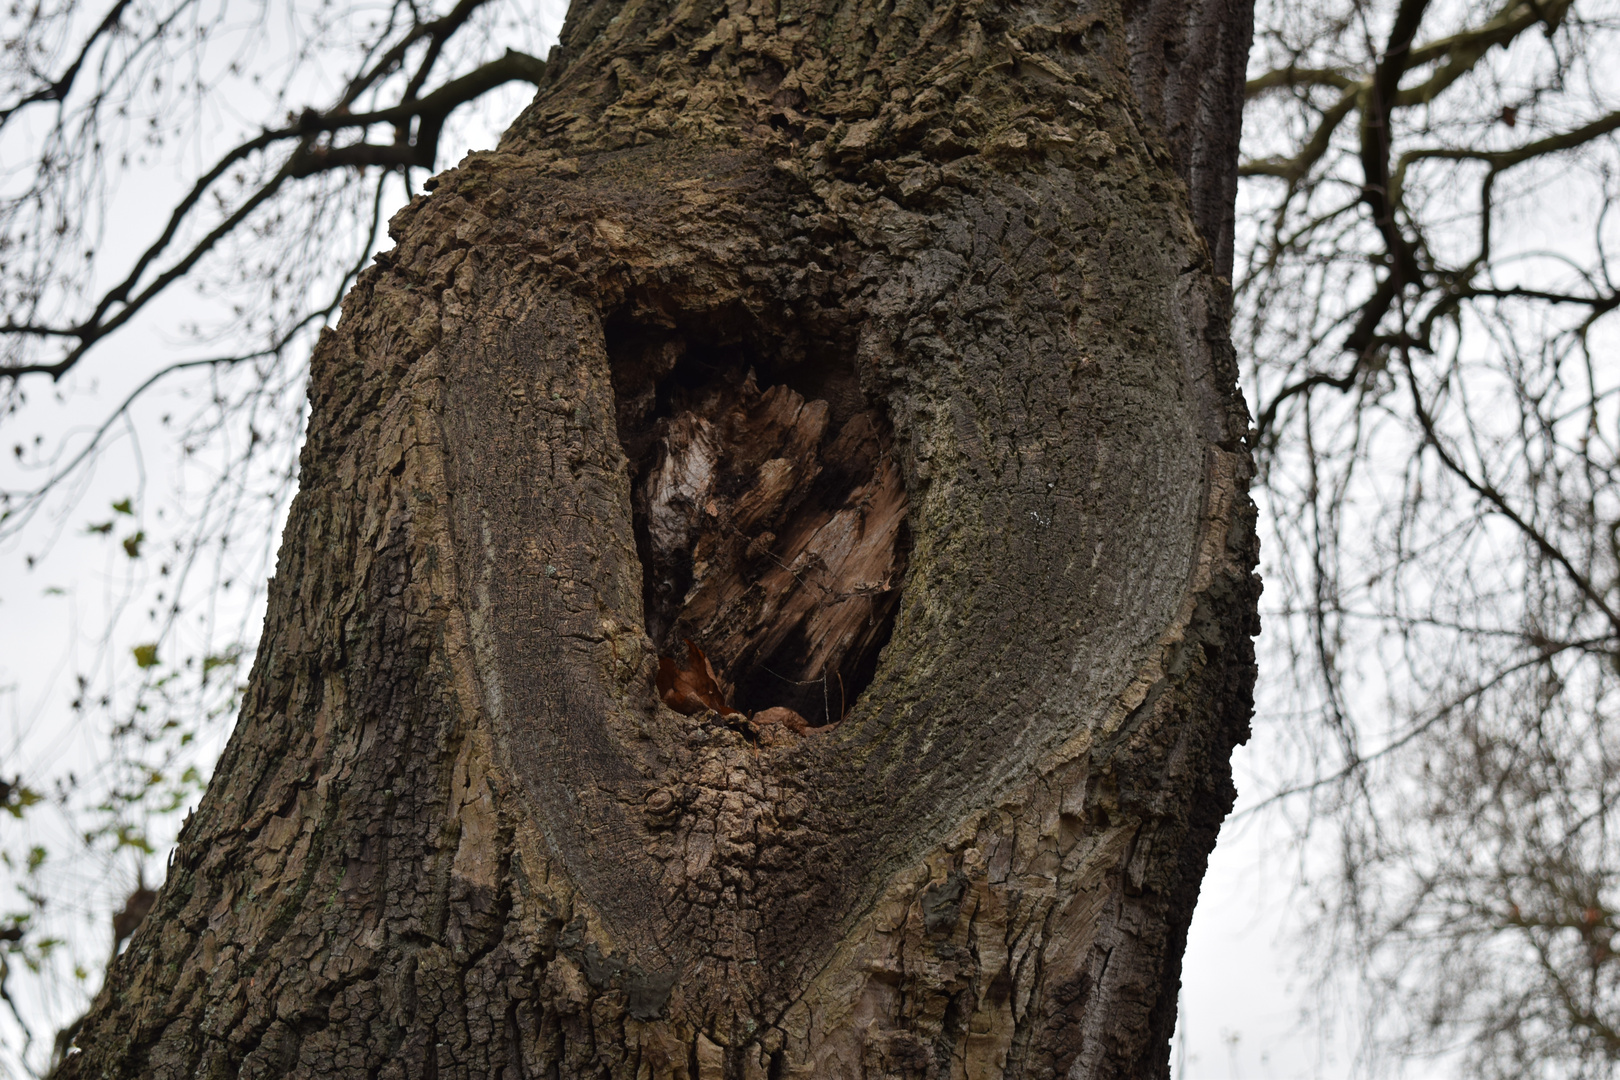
<point x="771" y="585"/>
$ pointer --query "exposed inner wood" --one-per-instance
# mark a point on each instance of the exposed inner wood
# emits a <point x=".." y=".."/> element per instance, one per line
<point x="772" y="532"/>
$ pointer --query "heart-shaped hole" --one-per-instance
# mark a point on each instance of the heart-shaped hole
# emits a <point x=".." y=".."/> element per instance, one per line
<point x="770" y="518"/>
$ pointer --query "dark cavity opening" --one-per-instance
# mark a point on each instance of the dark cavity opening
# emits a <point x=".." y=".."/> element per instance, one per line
<point x="770" y="518"/>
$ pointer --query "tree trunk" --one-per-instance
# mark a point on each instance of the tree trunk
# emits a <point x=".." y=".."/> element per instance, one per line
<point x="771" y="586"/>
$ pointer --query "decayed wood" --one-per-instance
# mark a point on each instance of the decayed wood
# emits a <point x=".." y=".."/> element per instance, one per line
<point x="770" y="540"/>
<point x="459" y="832"/>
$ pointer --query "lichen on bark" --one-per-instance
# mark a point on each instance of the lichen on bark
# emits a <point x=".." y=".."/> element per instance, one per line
<point x="458" y="833"/>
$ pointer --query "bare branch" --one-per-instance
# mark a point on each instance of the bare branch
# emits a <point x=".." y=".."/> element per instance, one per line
<point x="1499" y="502"/>
<point x="1296" y="168"/>
<point x="1501" y="160"/>
<point x="1293" y="77"/>
<point x="58" y="89"/>
<point x="1458" y="54"/>
<point x="1375" y="158"/>
<point x="307" y="159"/>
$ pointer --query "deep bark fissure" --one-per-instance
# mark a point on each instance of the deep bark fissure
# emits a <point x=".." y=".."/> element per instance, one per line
<point x="769" y="516"/>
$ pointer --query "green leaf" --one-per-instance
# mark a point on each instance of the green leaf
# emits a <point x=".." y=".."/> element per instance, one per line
<point x="104" y="528"/>
<point x="229" y="658"/>
<point x="20" y="798"/>
<point x="36" y="858"/>
<point x="124" y="506"/>
<point x="129" y="836"/>
<point x="132" y="545"/>
<point x="145" y="656"/>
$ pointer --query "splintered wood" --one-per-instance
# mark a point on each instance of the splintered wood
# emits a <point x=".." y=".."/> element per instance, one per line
<point x="773" y="549"/>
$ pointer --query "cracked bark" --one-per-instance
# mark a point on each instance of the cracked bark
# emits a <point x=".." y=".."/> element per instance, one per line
<point x="882" y="347"/>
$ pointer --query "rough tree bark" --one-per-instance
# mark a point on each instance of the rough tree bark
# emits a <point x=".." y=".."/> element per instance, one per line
<point x="879" y="353"/>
